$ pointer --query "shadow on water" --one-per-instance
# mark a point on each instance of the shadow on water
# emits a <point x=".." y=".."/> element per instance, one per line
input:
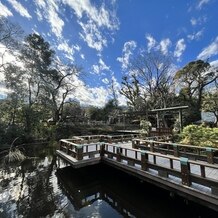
<point x="128" y="196"/>
<point x="37" y="188"/>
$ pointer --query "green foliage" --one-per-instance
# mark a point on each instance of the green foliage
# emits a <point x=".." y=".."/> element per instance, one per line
<point x="102" y="114"/>
<point x="200" y="136"/>
<point x="145" y="128"/>
<point x="210" y="104"/>
<point x="177" y="126"/>
<point x="192" y="79"/>
<point x="14" y="155"/>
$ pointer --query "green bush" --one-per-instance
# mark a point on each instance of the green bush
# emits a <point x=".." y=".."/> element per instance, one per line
<point x="200" y="136"/>
<point x="145" y="128"/>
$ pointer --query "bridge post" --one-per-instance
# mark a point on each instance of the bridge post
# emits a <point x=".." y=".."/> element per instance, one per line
<point x="135" y="143"/>
<point x="144" y="160"/>
<point x="79" y="152"/>
<point x="175" y="150"/>
<point x="209" y="152"/>
<point x="152" y="146"/>
<point x="110" y="139"/>
<point x="102" y="148"/>
<point x="185" y="171"/>
<point x="119" y="151"/>
<point x="60" y="145"/>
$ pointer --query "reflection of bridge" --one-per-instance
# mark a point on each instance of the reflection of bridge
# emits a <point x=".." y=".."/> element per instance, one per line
<point x="85" y="188"/>
<point x="94" y="185"/>
<point x="189" y="171"/>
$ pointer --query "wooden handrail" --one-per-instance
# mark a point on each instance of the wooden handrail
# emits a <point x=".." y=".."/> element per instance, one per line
<point x="141" y="157"/>
<point x="170" y="143"/>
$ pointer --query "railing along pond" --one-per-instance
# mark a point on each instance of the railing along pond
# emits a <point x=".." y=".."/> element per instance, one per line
<point x="192" y="152"/>
<point x="189" y="171"/>
<point x="82" y="147"/>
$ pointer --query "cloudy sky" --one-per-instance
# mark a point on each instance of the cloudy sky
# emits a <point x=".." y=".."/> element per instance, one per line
<point x="101" y="35"/>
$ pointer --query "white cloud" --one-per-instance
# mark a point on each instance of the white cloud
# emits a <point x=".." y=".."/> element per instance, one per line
<point x="210" y="50"/>
<point x="82" y="56"/>
<point x="193" y="21"/>
<point x="198" y="21"/>
<point x="103" y="65"/>
<point x="96" y="23"/>
<point x="105" y="81"/>
<point x="50" y="9"/>
<point x="164" y="45"/>
<point x="201" y="3"/>
<point x="180" y="48"/>
<point x="77" y="47"/>
<point x="127" y="51"/>
<point x="92" y="36"/>
<point x="69" y="50"/>
<point x="4" y="11"/>
<point x="96" y="96"/>
<point x="20" y="8"/>
<point x="100" y="67"/>
<point x="196" y="36"/>
<point x="151" y="42"/>
<point x="5" y="55"/>
<point x="102" y="17"/>
<point x="214" y="64"/>
<point x="121" y="98"/>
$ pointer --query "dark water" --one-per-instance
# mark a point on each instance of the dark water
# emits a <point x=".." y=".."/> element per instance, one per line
<point x="38" y="188"/>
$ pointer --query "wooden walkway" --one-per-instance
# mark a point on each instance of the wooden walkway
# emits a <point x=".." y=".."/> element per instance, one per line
<point x="193" y="179"/>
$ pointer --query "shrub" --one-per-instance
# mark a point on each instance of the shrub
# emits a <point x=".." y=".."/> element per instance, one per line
<point x="145" y="128"/>
<point x="200" y="136"/>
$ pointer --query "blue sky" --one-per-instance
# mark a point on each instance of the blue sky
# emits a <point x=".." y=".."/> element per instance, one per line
<point x="101" y="36"/>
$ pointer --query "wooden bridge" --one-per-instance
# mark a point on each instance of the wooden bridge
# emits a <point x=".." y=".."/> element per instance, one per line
<point x="189" y="171"/>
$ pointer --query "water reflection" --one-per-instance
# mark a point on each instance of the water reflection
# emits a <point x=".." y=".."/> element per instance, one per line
<point x="27" y="189"/>
<point x="38" y="188"/>
<point x="125" y="194"/>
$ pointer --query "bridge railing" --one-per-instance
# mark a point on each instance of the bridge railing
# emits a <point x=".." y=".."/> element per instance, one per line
<point x="120" y="138"/>
<point x="188" y="171"/>
<point x="160" y="131"/>
<point x="80" y="151"/>
<point x="192" y="152"/>
<point x="102" y="138"/>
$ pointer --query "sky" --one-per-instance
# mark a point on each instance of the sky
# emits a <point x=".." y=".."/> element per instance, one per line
<point x="101" y="36"/>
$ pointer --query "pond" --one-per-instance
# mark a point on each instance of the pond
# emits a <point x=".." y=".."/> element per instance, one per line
<point x="45" y="187"/>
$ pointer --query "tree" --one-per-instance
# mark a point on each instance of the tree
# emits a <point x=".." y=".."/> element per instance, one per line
<point x="37" y="57"/>
<point x="194" y="77"/>
<point x="131" y="90"/>
<point x="10" y="35"/>
<point x="210" y="104"/>
<point x="154" y="71"/>
<point x="150" y="82"/>
<point x="42" y="84"/>
<point x="114" y="92"/>
<point x="57" y="87"/>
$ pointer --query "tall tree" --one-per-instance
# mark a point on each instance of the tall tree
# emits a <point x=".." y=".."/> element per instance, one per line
<point x="131" y="90"/>
<point x="57" y="88"/>
<point x="150" y="82"/>
<point x="193" y="78"/>
<point x="37" y="58"/>
<point x="210" y="104"/>
<point x="154" y="71"/>
<point x="10" y="36"/>
<point x="114" y="91"/>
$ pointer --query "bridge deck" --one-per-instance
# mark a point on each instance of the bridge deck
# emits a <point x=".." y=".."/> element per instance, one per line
<point x="162" y="170"/>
